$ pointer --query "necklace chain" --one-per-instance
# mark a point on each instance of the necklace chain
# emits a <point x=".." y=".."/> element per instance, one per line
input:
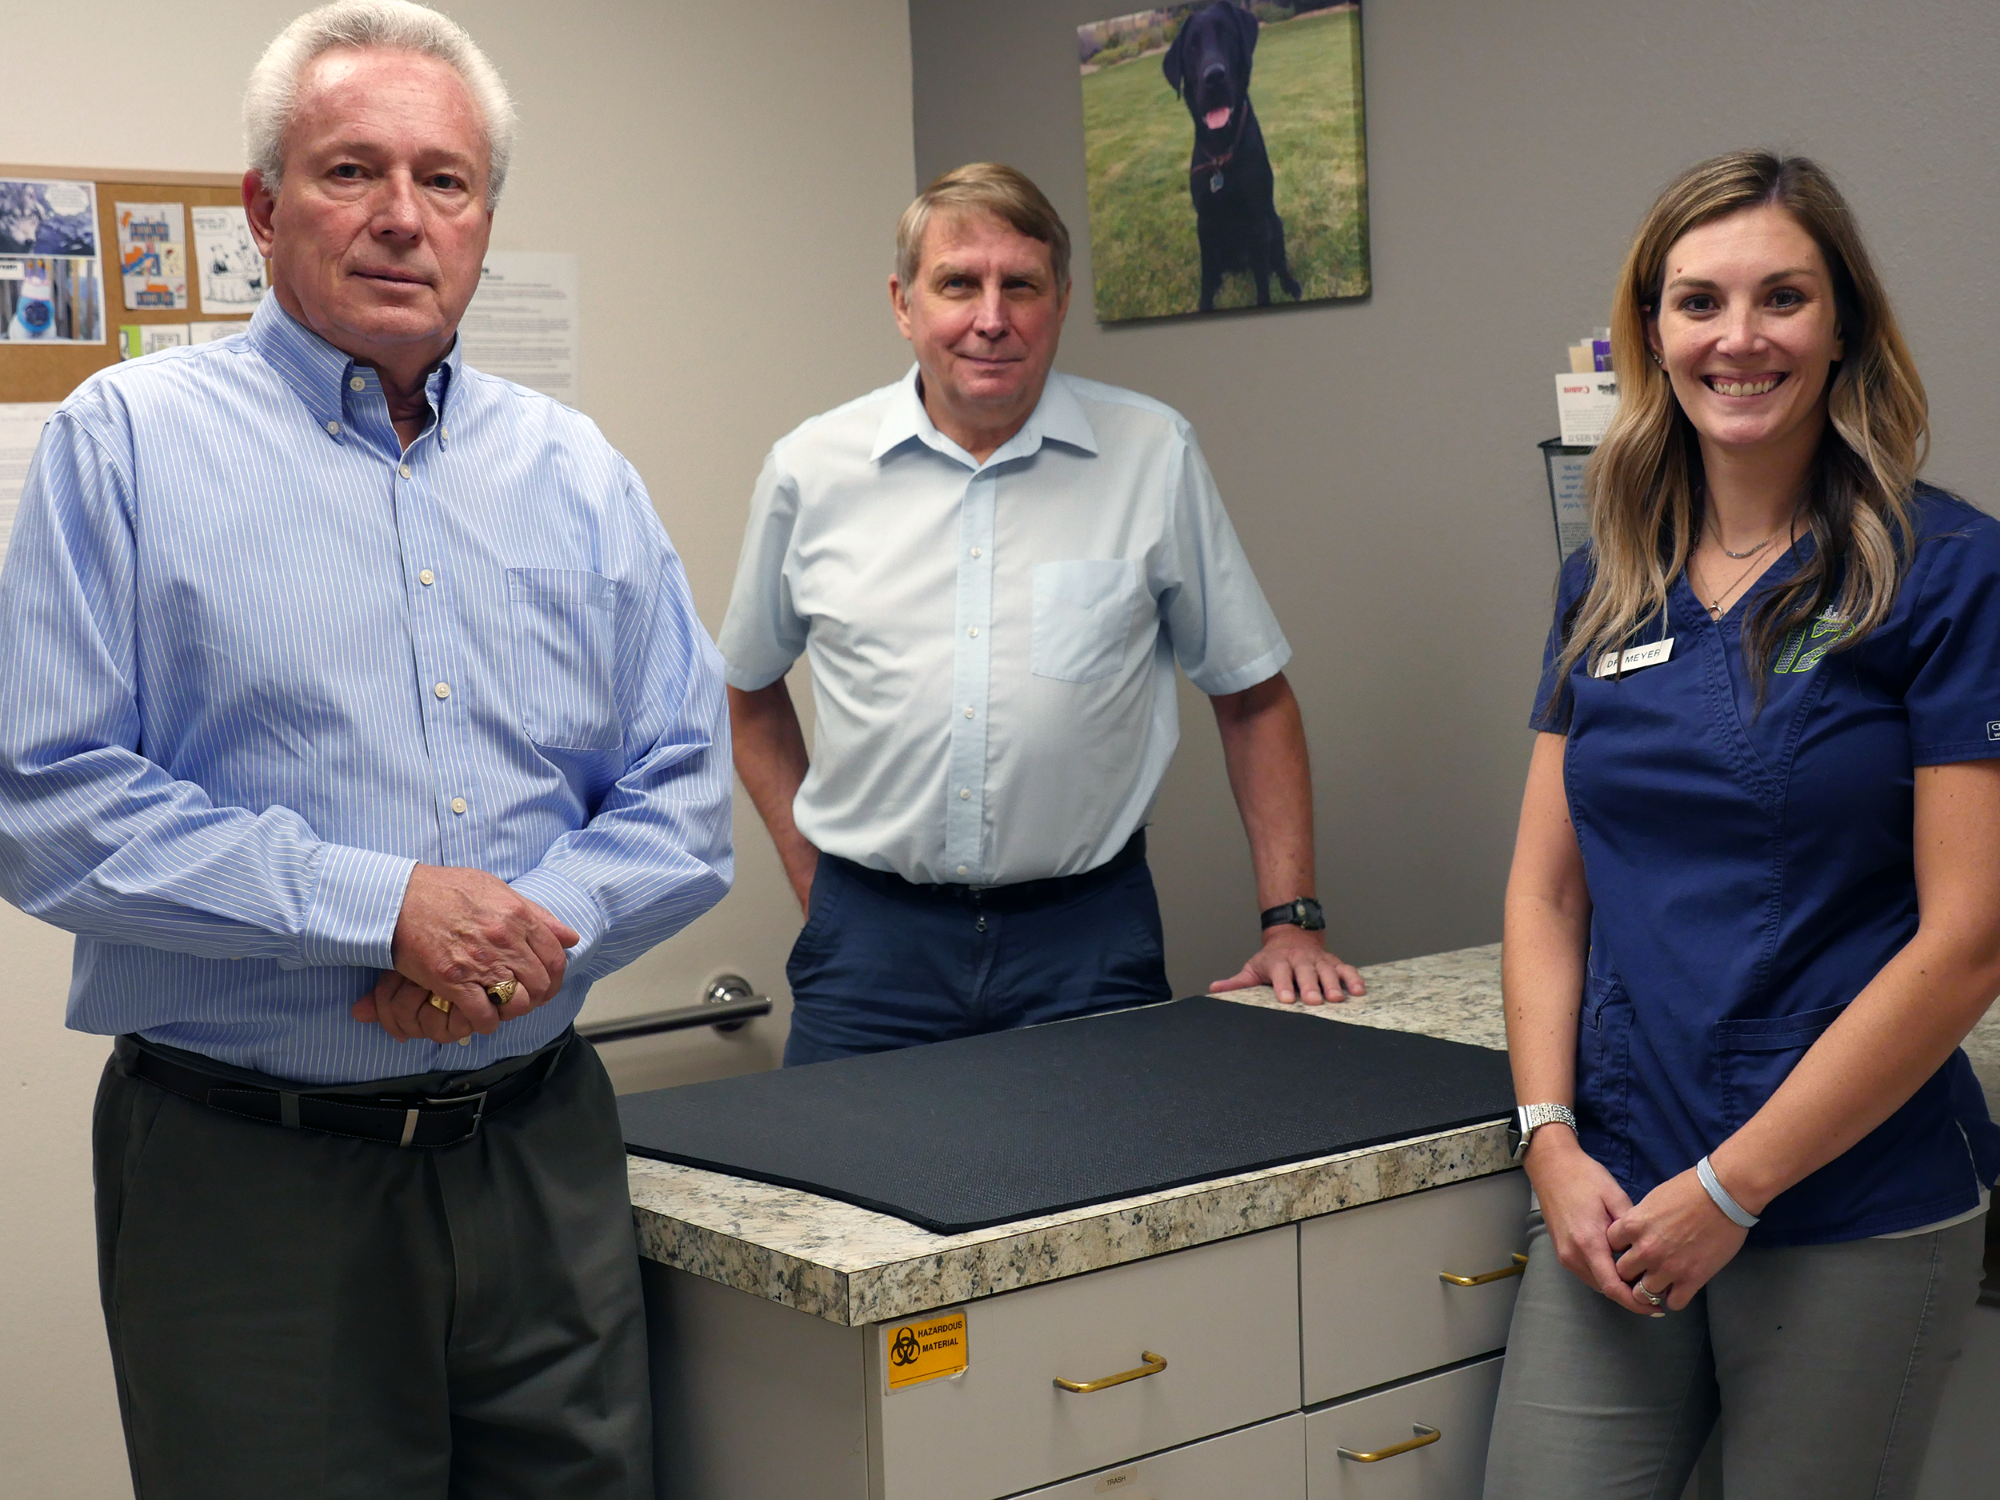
<point x="1739" y="556"/>
<point x="1714" y="605"/>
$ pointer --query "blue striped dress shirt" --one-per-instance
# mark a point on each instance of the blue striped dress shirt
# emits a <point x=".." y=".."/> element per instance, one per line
<point x="257" y="661"/>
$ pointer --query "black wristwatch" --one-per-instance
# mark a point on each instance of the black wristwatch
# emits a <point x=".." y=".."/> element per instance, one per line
<point x="1302" y="912"/>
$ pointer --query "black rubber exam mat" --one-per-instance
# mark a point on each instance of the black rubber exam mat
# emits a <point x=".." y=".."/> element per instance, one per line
<point x="961" y="1135"/>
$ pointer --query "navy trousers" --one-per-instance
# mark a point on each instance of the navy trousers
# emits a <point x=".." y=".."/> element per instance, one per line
<point x="885" y="963"/>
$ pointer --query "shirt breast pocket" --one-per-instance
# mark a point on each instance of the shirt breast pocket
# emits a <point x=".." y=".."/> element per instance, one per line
<point x="1083" y="617"/>
<point x="565" y="645"/>
<point x="1753" y="1057"/>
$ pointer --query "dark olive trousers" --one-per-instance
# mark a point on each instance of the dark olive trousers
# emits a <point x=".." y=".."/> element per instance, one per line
<point x="302" y="1315"/>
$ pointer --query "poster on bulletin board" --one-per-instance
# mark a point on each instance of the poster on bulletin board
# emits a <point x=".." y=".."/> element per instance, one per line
<point x="51" y="290"/>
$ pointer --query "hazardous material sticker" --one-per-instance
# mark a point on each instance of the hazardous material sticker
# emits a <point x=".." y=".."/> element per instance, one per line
<point x="925" y="1348"/>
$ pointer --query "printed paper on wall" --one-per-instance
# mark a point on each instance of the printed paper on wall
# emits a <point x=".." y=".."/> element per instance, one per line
<point x="51" y="288"/>
<point x="233" y="275"/>
<point x="152" y="256"/>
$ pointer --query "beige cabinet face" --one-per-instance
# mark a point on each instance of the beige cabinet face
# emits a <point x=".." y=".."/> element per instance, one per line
<point x="1223" y="1318"/>
<point x="1441" y="1424"/>
<point x="1375" y="1301"/>
<point x="1267" y="1462"/>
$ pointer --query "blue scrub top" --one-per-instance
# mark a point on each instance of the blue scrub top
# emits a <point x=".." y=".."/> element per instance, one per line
<point x="1751" y="871"/>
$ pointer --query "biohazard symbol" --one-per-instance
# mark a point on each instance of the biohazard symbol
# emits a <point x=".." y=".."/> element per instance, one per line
<point x="905" y="1348"/>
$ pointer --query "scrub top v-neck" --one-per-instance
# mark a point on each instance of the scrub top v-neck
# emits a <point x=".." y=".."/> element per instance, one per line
<point x="1750" y="867"/>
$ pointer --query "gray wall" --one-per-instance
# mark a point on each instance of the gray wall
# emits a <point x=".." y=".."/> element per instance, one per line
<point x="1378" y="457"/>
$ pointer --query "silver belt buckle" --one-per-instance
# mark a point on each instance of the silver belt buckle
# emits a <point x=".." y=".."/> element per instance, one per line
<point x="451" y="1101"/>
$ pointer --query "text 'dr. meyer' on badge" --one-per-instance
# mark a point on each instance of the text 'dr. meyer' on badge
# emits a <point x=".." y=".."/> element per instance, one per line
<point x="925" y="1348"/>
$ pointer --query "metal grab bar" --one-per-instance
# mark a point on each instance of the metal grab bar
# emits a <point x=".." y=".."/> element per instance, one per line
<point x="725" y="1004"/>
<point x="1425" y="1436"/>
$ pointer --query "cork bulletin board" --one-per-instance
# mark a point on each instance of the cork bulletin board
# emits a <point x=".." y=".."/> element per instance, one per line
<point x="49" y="372"/>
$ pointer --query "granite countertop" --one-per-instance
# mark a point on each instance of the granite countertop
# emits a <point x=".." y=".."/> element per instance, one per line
<point x="852" y="1266"/>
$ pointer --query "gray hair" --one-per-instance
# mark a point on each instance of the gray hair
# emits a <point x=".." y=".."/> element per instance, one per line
<point x="989" y="188"/>
<point x="272" y="97"/>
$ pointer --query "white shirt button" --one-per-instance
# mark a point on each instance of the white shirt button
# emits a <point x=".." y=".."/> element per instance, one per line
<point x="443" y="431"/>
<point x="427" y="578"/>
<point x="356" y="383"/>
<point x="973" y="631"/>
<point x="975" y="552"/>
<point x="968" y="713"/>
<point x="443" y="690"/>
<point x="334" y="428"/>
<point x="965" y="794"/>
<point x="404" y="471"/>
<point x="458" y="804"/>
<point x="961" y="869"/>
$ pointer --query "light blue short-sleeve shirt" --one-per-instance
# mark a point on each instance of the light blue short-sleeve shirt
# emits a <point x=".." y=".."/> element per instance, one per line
<point x="992" y="645"/>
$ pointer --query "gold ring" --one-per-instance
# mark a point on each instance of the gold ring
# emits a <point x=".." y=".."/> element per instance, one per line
<point x="502" y="992"/>
<point x="441" y="1003"/>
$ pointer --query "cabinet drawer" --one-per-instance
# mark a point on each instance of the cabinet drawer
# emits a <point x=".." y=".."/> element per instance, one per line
<point x="1267" y="1462"/>
<point x="1224" y="1317"/>
<point x="1457" y="1405"/>
<point x="1372" y="1305"/>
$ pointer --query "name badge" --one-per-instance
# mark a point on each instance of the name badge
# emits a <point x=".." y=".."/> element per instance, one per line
<point x="1635" y="658"/>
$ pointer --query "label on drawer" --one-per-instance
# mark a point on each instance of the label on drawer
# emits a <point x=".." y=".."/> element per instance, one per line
<point x="1124" y="1483"/>
<point x="925" y="1348"/>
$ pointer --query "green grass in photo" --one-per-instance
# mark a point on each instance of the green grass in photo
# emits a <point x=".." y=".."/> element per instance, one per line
<point x="1306" y="86"/>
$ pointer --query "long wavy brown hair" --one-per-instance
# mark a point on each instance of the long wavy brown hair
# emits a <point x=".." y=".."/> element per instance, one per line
<point x="1645" y="484"/>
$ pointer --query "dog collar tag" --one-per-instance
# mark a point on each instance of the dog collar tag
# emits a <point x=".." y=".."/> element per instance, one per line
<point x="1635" y="658"/>
<point x="1215" y="183"/>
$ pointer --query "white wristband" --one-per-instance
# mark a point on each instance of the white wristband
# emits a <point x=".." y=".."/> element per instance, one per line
<point x="1738" y="1214"/>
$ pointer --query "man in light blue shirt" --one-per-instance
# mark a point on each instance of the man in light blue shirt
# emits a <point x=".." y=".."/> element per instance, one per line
<point x="355" y="716"/>
<point x="993" y="569"/>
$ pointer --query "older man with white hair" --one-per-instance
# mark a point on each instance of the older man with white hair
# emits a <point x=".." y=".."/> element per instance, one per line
<point x="356" y="718"/>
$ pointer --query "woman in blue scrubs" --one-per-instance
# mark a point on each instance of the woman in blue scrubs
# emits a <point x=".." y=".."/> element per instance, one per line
<point x="1755" y="901"/>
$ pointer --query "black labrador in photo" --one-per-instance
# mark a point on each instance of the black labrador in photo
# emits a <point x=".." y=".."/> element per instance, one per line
<point x="1229" y="176"/>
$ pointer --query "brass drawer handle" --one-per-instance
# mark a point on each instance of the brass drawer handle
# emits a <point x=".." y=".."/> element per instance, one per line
<point x="1425" y="1436"/>
<point x="1520" y="1265"/>
<point x="1153" y="1365"/>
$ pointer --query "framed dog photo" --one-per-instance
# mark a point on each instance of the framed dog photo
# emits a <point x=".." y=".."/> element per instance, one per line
<point x="1227" y="157"/>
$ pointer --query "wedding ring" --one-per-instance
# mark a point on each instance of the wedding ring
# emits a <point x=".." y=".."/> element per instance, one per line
<point x="441" y="1003"/>
<point x="1650" y="1295"/>
<point x="502" y="992"/>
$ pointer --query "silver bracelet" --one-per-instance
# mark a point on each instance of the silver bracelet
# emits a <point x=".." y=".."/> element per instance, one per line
<point x="1738" y="1214"/>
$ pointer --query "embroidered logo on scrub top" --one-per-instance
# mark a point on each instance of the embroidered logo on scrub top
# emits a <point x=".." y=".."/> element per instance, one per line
<point x="1805" y="648"/>
<point x="1993" y="729"/>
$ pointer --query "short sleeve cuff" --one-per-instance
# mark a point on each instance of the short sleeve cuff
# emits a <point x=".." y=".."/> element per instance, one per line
<point x="1953" y="752"/>
<point x="749" y="679"/>
<point x="1265" y="667"/>
<point x="351" y="920"/>
<point x="563" y="898"/>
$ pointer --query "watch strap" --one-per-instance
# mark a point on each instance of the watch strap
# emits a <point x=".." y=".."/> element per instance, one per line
<point x="1528" y="1118"/>
<point x="1302" y="911"/>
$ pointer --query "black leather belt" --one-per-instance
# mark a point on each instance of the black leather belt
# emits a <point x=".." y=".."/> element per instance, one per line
<point x="1023" y="895"/>
<point x="425" y="1120"/>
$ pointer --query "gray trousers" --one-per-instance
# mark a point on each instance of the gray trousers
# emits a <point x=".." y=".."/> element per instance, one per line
<point x="1823" y="1364"/>
<point x="304" y="1315"/>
